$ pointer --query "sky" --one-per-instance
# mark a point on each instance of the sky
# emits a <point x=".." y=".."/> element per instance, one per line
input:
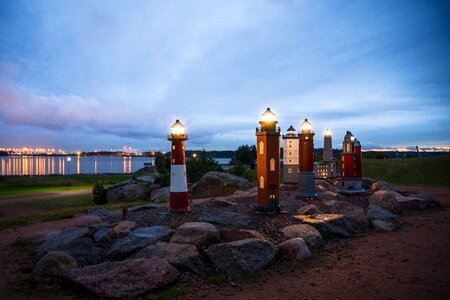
<point x="85" y="75"/>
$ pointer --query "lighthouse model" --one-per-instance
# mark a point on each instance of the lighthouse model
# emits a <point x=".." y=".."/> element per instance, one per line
<point x="351" y="172"/>
<point x="306" y="186"/>
<point x="290" y="156"/>
<point x="179" y="201"/>
<point x="327" y="167"/>
<point x="268" y="158"/>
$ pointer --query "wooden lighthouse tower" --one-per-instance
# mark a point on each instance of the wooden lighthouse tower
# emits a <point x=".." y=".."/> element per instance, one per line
<point x="268" y="158"/>
<point x="290" y="156"/>
<point x="179" y="201"/>
<point x="306" y="184"/>
<point x="351" y="170"/>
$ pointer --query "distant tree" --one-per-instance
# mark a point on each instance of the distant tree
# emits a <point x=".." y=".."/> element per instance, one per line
<point x="245" y="154"/>
<point x="99" y="194"/>
<point x="241" y="170"/>
<point x="199" y="165"/>
<point x="162" y="163"/>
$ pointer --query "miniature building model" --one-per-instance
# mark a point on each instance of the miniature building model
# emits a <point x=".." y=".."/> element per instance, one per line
<point x="327" y="167"/>
<point x="351" y="173"/>
<point x="306" y="186"/>
<point x="290" y="156"/>
<point x="268" y="158"/>
<point x="179" y="201"/>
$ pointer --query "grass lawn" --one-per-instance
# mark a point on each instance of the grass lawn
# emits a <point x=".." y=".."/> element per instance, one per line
<point x="52" y="208"/>
<point x="432" y="172"/>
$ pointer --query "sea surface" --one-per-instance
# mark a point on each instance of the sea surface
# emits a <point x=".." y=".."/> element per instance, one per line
<point x="60" y="165"/>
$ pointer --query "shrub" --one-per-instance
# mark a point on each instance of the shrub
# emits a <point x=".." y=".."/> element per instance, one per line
<point x="99" y="194"/>
<point x="163" y="179"/>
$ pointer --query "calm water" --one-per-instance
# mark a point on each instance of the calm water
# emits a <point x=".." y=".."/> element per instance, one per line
<point x="58" y="165"/>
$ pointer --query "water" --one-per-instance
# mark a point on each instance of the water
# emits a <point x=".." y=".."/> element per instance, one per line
<point x="59" y="165"/>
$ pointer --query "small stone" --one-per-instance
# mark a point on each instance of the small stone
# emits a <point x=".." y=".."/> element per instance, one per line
<point x="294" y="249"/>
<point x="196" y="233"/>
<point x="53" y="266"/>
<point x="87" y="220"/>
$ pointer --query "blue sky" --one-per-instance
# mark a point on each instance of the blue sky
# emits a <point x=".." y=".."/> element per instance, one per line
<point x="102" y="74"/>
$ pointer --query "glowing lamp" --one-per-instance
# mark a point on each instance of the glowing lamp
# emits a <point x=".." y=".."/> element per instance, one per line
<point x="306" y="126"/>
<point x="69" y="159"/>
<point x="268" y="116"/>
<point x="327" y="132"/>
<point x="177" y="128"/>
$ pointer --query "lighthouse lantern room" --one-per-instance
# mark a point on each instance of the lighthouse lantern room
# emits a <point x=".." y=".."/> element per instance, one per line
<point x="179" y="201"/>
<point x="268" y="160"/>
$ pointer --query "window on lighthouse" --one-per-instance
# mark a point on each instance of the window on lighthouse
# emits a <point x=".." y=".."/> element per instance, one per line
<point x="272" y="164"/>
<point x="261" y="182"/>
<point x="261" y="147"/>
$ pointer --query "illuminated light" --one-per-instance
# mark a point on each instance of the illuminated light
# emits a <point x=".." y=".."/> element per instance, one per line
<point x="268" y="116"/>
<point x="306" y="126"/>
<point x="69" y="159"/>
<point x="194" y="155"/>
<point x="78" y="153"/>
<point x="177" y="128"/>
<point x="327" y="132"/>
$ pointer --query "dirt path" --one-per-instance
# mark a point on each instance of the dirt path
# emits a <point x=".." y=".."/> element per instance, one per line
<point x="44" y="196"/>
<point x="411" y="263"/>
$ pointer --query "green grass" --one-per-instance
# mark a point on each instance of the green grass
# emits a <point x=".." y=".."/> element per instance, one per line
<point x="432" y="172"/>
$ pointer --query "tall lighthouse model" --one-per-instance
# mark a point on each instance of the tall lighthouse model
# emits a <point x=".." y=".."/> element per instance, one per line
<point x="179" y="201"/>
<point x="306" y="186"/>
<point x="290" y="156"/>
<point x="268" y="158"/>
<point x="327" y="167"/>
<point x="351" y="171"/>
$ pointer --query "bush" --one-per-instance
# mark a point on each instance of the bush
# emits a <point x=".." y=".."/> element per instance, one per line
<point x="99" y="194"/>
<point x="163" y="179"/>
<point x="243" y="171"/>
<point x="198" y="166"/>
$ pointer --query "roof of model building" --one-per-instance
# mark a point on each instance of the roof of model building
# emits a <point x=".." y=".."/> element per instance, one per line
<point x="291" y="128"/>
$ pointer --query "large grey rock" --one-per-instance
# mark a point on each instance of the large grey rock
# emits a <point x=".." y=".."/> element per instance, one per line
<point x="184" y="257"/>
<point x="309" y="209"/>
<point x="386" y="199"/>
<point x="144" y="207"/>
<point x="137" y="240"/>
<point x="132" y="191"/>
<point x="84" y="251"/>
<point x="61" y="240"/>
<point x="42" y="236"/>
<point x="226" y="218"/>
<point x="243" y="256"/>
<point x="245" y="196"/>
<point x="53" y="266"/>
<point x="121" y="230"/>
<point x="101" y="236"/>
<point x="374" y="212"/>
<point x="381" y="185"/>
<point x="294" y="249"/>
<point x="119" y="280"/>
<point x="412" y="203"/>
<point x="231" y="235"/>
<point x="329" y="225"/>
<point x="106" y="215"/>
<point x="368" y="182"/>
<point x="353" y="213"/>
<point x="86" y="220"/>
<point x="322" y="186"/>
<point x="381" y="225"/>
<point x="215" y="184"/>
<point x="309" y="234"/>
<point x="160" y="195"/>
<point x="430" y="200"/>
<point x="196" y="233"/>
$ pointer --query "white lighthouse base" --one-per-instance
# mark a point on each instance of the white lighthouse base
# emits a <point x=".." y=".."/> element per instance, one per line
<point x="350" y="186"/>
<point x="306" y="185"/>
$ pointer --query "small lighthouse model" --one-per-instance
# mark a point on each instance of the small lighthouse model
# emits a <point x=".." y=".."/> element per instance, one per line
<point x="268" y="158"/>
<point x="290" y="156"/>
<point x="327" y="167"/>
<point x="306" y="186"/>
<point x="179" y="201"/>
<point x="351" y="171"/>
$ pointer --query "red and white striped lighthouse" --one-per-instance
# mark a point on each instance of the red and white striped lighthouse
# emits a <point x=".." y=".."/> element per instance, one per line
<point x="179" y="200"/>
<point x="351" y="170"/>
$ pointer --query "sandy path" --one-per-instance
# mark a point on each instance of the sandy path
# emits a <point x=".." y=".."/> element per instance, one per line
<point x="44" y="196"/>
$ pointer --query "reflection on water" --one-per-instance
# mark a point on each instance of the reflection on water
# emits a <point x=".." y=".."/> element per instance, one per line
<point x="59" y="165"/>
